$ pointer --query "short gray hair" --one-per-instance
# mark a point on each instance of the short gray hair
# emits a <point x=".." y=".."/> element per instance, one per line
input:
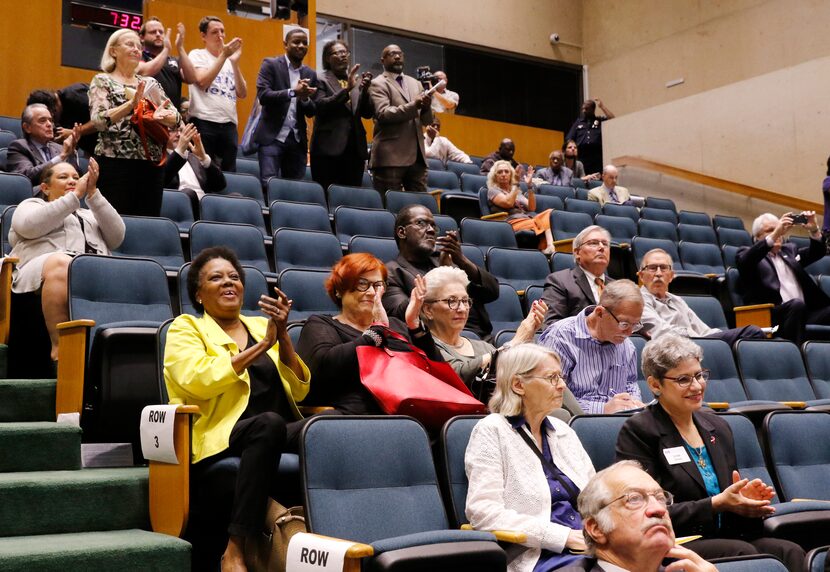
<point x="579" y="239"/>
<point x="594" y="500"/>
<point x="29" y="111"/>
<point x="620" y="291"/>
<point x="666" y="352"/>
<point x="759" y="222"/>
<point x="438" y="278"/>
<point x="107" y="61"/>
<point x="654" y="251"/>
<point x="517" y="360"/>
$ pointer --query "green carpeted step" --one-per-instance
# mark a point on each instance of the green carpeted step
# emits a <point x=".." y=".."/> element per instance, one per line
<point x="27" y="400"/>
<point x="56" y="502"/>
<point x="122" y="550"/>
<point x="39" y="446"/>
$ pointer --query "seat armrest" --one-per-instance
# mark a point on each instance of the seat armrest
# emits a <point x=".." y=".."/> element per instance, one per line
<point x="6" y="274"/>
<point x="757" y="315"/>
<point x="307" y="410"/>
<point x="169" y="483"/>
<point x="566" y="245"/>
<point x="511" y="536"/>
<point x="72" y="344"/>
<point x="719" y="405"/>
<point x="494" y="216"/>
<point x="795" y="404"/>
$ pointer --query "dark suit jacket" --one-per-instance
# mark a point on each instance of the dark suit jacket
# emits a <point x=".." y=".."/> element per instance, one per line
<point x="567" y="292"/>
<point x="398" y="139"/>
<point x="401" y="281"/>
<point x="272" y="86"/>
<point x="644" y="437"/>
<point x="760" y="281"/>
<point x="212" y="180"/>
<point x="338" y="117"/>
<point x="24" y="157"/>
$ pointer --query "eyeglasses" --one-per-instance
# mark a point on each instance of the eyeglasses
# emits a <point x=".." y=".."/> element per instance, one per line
<point x="655" y="267"/>
<point x="423" y="224"/>
<point x="553" y="379"/>
<point x="685" y="381"/>
<point x="625" y="325"/>
<point x="453" y="302"/>
<point x="635" y="500"/>
<point x="595" y="244"/>
<point x="340" y="53"/>
<point x="362" y="285"/>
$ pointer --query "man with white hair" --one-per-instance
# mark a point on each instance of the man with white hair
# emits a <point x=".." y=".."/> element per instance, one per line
<point x="610" y="191"/>
<point x="37" y="149"/>
<point x="627" y="525"/>
<point x="772" y="271"/>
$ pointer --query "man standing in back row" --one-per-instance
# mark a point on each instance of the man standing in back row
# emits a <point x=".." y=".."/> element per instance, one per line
<point x="398" y="158"/>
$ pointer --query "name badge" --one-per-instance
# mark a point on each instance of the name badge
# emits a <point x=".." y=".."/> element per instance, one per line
<point x="676" y="455"/>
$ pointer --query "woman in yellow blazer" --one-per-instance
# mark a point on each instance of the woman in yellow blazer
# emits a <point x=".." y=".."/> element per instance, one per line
<point x="245" y="377"/>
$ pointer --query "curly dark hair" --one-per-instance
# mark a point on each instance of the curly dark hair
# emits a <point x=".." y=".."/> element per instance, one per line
<point x="328" y="49"/>
<point x="198" y="263"/>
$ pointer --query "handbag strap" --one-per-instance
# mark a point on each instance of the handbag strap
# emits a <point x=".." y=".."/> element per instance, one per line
<point x="547" y="463"/>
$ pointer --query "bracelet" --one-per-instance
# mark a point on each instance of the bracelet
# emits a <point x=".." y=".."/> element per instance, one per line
<point x="374" y="337"/>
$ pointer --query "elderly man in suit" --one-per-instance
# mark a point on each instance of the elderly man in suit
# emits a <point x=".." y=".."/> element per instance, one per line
<point x="402" y="107"/>
<point x="610" y="191"/>
<point x="570" y="290"/>
<point x="338" y="144"/>
<point x="285" y="88"/>
<point x="36" y="151"/>
<point x="627" y="525"/>
<point x="772" y="271"/>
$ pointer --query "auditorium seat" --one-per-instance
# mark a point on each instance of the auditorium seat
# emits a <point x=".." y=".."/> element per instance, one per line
<point x="396" y="200"/>
<point x="155" y="238"/>
<point x="545" y="202"/>
<point x="728" y="222"/>
<point x="660" y="203"/>
<point x="488" y="233"/>
<point x="733" y="236"/>
<point x="665" y="215"/>
<point x="384" y="249"/>
<point x="245" y="239"/>
<point x="442" y="180"/>
<point x="820" y="266"/>
<point x="518" y="268"/>
<point x="629" y="211"/>
<point x="445" y="224"/>
<point x="308" y="216"/>
<point x="350" y="221"/>
<point x="703" y="258"/>
<point x="462" y="168"/>
<point x="6" y="137"/>
<point x="566" y="225"/>
<point x="708" y="309"/>
<point x="590" y="208"/>
<point x="563" y="193"/>
<point x="753" y="563"/>
<point x="339" y="195"/>
<point x="622" y="229"/>
<point x="455" y="435"/>
<point x="4" y="158"/>
<point x="177" y="206"/>
<point x="236" y="210"/>
<point x="306" y="289"/>
<point x="306" y="249"/>
<point x="5" y="225"/>
<point x="298" y="191"/>
<point x="474" y="254"/>
<point x="663" y="230"/>
<point x="730" y="254"/>
<point x="696" y="233"/>
<point x="561" y="261"/>
<point x="505" y="312"/>
<point x="247" y="166"/>
<point x="435" y="164"/>
<point x="817" y="358"/>
<point x="11" y="124"/>
<point x="801" y="467"/>
<point x="694" y="218"/>
<point x="244" y="185"/>
<point x="598" y="435"/>
<point x="14" y="189"/>
<point x="645" y="392"/>
<point x="472" y="183"/>
<point x="640" y="245"/>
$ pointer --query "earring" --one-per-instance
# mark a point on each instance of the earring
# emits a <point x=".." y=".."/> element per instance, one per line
<point x="198" y="301"/>
<point x="656" y="394"/>
<point x="337" y="295"/>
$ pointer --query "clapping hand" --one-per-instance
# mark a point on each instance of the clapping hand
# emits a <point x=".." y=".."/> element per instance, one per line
<point x="416" y="302"/>
<point x="353" y="77"/>
<point x="535" y="318"/>
<point x="165" y="114"/>
<point x="277" y="310"/>
<point x="304" y="90"/>
<point x="733" y="499"/>
<point x="86" y="184"/>
<point x="232" y="48"/>
<point x="139" y="93"/>
<point x="180" y="37"/>
<point x="755" y="489"/>
<point x="378" y="311"/>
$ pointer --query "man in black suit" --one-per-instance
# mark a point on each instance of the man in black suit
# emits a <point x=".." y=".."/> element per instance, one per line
<point x="338" y="144"/>
<point x="189" y="168"/>
<point x="627" y="526"/>
<point x="420" y="252"/>
<point x="285" y="88"/>
<point x="32" y="154"/>
<point x="573" y="289"/>
<point x="772" y="271"/>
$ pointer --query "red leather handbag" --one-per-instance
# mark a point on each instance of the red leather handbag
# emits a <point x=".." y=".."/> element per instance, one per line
<point x="409" y="383"/>
<point x="143" y="122"/>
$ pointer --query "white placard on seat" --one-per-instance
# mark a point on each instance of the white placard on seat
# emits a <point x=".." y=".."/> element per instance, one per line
<point x="157" y="422"/>
<point x="312" y="553"/>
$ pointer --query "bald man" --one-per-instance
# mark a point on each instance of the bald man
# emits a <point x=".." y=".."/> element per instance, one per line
<point x="610" y="191"/>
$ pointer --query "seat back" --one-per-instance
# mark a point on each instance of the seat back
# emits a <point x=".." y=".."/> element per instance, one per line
<point x="532" y="294"/>
<point x="11" y="124"/>
<point x="310" y="249"/>
<point x="396" y="200"/>
<point x="384" y="249"/>
<point x="733" y="237"/>
<point x="245" y="239"/>
<point x="5" y="225"/>
<point x="639" y="343"/>
<point x="563" y="193"/>
<point x="244" y="185"/>
<point x="730" y="254"/>
<point x="817" y="356"/>
<point x="357" y="483"/>
<point x="462" y="168"/>
<point x="640" y="245"/>
<point x="297" y="191"/>
<point x="4" y="158"/>
<point x="472" y="183"/>
<point x="591" y="208"/>
<point x="519" y="268"/>
<point x="248" y="167"/>
<point x="754" y="563"/>
<point x="546" y="202"/>
<point x="435" y="164"/>
<point x="802" y="469"/>
<point x="660" y="203"/>
<point x="6" y="137"/>
<point x="820" y="266"/>
<point x="816" y="559"/>
<point x="703" y="258"/>
<point x="773" y="370"/>
<point x="568" y="224"/>
<point x="255" y="286"/>
<point x="664" y="215"/>
<point x="621" y="229"/>
<point x="657" y="229"/>
<point x="454" y="438"/>
<point x="474" y="254"/>
<point x="696" y="233"/>
<point x="724" y="221"/>
<point x="488" y="233"/>
<point x="350" y="221"/>
<point x="236" y="210"/>
<point x="176" y="206"/>
<point x="308" y="216"/>
<point x="734" y="286"/>
<point x="306" y="288"/>
<point x="445" y="224"/>
<point x="443" y="180"/>
<point x="151" y="237"/>
<point x="506" y="311"/>
<point x="707" y="309"/>
<point x="339" y="195"/>
<point x="598" y="435"/>
<point x="694" y="217"/>
<point x="750" y="457"/>
<point x="14" y="189"/>
<point x="628" y="211"/>
<point x="724" y="382"/>
<point x="561" y="261"/>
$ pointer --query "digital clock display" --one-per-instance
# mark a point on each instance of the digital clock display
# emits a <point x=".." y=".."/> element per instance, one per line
<point x="98" y="17"/>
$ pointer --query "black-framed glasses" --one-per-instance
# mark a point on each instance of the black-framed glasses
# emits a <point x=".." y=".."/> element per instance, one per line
<point x="685" y="381"/>
<point x="423" y="224"/>
<point x="362" y="285"/>
<point x="637" y="499"/>
<point x="625" y="325"/>
<point x="553" y="379"/>
<point x="453" y="302"/>
<point x="655" y="267"/>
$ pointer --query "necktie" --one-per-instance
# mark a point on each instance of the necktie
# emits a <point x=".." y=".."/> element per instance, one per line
<point x="612" y="193"/>
<point x="600" y="285"/>
<point x="47" y="154"/>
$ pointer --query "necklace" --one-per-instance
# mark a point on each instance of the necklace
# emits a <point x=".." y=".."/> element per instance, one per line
<point x="698" y="453"/>
<point x="459" y="345"/>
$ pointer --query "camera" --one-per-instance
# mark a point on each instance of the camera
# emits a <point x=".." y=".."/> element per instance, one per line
<point x="799" y="219"/>
<point x="425" y="76"/>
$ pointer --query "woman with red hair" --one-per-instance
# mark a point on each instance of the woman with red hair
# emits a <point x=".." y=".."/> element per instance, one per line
<point x="328" y="344"/>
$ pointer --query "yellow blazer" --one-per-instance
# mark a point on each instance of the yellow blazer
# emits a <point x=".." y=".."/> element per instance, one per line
<point x="198" y="371"/>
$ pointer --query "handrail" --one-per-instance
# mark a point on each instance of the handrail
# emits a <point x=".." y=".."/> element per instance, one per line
<point x="723" y="184"/>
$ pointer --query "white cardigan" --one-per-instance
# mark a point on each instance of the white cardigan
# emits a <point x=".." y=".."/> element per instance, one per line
<point x="508" y="489"/>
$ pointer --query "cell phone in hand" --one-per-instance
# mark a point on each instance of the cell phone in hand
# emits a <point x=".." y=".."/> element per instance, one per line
<point x="799" y="219"/>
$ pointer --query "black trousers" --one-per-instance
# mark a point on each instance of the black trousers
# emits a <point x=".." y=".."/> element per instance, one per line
<point x="132" y="186"/>
<point x="732" y="335"/>
<point x="793" y="316"/>
<point x="282" y="159"/>
<point x="220" y="140"/>
<point x="790" y="553"/>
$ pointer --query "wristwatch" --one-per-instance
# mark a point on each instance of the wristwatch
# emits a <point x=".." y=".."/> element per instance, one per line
<point x="292" y="93"/>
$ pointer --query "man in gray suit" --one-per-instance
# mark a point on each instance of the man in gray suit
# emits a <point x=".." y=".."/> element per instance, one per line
<point x="570" y="290"/>
<point x="32" y="154"/>
<point x="401" y="108"/>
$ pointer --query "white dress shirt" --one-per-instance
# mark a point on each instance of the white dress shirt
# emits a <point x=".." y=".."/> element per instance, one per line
<point x="290" y="122"/>
<point x="790" y="288"/>
<point x="593" y="284"/>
